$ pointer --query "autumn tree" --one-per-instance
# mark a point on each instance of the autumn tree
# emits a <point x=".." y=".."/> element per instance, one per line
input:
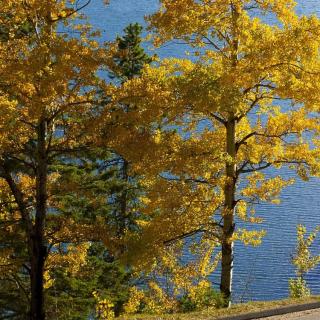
<point x="90" y="196"/>
<point x="304" y="261"/>
<point x="47" y="89"/>
<point x="14" y="278"/>
<point x="243" y="104"/>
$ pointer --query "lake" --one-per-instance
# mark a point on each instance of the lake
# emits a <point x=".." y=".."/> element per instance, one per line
<point x="260" y="273"/>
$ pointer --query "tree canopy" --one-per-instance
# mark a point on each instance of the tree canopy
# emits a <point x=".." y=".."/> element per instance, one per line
<point x="95" y="167"/>
<point x="245" y="102"/>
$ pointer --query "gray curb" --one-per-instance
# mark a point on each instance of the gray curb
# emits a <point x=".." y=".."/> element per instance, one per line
<point x="274" y="312"/>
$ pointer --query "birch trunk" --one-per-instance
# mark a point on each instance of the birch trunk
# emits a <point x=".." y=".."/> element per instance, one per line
<point x="228" y="214"/>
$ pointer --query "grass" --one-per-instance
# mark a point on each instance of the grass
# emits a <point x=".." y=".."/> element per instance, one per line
<point x="234" y="310"/>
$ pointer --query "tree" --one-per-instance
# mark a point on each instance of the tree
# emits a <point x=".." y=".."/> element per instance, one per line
<point x="47" y="95"/>
<point x="96" y="182"/>
<point x="242" y="105"/>
<point x="304" y="261"/>
<point x="126" y="62"/>
<point x="88" y="197"/>
<point x="14" y="278"/>
<point x="129" y="57"/>
<point x="70" y="294"/>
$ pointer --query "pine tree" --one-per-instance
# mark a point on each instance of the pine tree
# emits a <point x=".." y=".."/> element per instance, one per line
<point x="129" y="57"/>
<point x="102" y="177"/>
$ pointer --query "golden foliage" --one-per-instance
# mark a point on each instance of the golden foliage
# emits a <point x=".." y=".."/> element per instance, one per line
<point x="169" y="278"/>
<point x="263" y="77"/>
<point x="104" y="308"/>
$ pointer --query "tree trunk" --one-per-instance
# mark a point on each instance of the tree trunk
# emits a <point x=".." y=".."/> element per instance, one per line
<point x="123" y="200"/>
<point x="37" y="271"/>
<point x="231" y="179"/>
<point x="228" y="214"/>
<point x="39" y="250"/>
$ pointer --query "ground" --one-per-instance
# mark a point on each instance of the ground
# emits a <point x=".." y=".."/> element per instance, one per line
<point x="239" y="309"/>
<point x="304" y="315"/>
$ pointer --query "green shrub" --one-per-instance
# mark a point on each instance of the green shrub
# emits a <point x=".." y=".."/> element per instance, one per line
<point x="298" y="288"/>
<point x="304" y="261"/>
<point x="201" y="297"/>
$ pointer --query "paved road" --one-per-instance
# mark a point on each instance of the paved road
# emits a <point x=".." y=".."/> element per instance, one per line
<point x="304" y="315"/>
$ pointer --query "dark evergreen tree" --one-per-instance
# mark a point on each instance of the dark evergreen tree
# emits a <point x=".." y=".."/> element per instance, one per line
<point x="101" y="176"/>
<point x="128" y="62"/>
<point x="130" y="56"/>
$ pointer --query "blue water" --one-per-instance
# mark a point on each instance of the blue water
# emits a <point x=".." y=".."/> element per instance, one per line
<point x="260" y="273"/>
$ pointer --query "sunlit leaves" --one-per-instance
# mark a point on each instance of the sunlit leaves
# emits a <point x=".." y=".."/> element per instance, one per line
<point x="264" y="76"/>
